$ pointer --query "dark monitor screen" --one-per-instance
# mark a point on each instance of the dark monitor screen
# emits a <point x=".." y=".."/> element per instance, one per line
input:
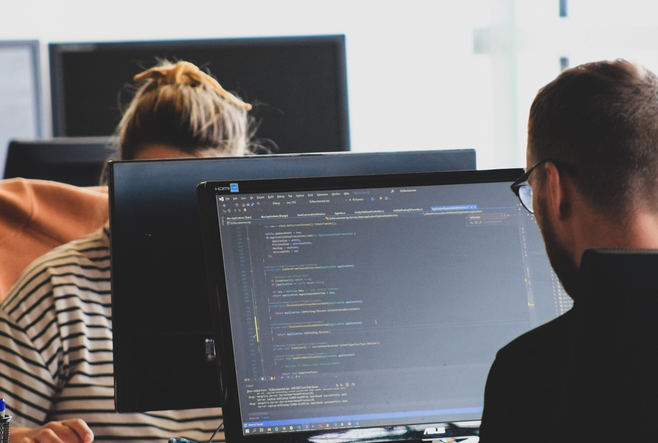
<point x="298" y="85"/>
<point x="77" y="161"/>
<point x="161" y="317"/>
<point x="369" y="308"/>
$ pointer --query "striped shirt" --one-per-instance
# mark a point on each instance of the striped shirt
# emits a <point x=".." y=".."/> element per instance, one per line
<point x="56" y="350"/>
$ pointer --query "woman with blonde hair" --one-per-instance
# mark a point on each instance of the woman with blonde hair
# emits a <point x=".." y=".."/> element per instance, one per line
<point x="56" y="367"/>
<point x="186" y="111"/>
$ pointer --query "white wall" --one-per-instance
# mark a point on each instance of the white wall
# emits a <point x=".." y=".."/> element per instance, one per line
<point x="415" y="81"/>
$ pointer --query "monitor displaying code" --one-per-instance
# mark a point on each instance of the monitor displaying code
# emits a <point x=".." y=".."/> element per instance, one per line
<point x="377" y="307"/>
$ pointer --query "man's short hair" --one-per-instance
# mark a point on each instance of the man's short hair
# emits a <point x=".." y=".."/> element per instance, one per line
<point x="603" y="119"/>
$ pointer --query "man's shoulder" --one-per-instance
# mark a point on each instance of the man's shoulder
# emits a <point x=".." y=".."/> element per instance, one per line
<point x="548" y="338"/>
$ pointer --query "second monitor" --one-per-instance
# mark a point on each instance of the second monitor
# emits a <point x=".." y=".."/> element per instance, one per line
<point x="161" y="317"/>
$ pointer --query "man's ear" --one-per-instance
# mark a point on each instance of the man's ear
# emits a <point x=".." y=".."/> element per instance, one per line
<point x="559" y="193"/>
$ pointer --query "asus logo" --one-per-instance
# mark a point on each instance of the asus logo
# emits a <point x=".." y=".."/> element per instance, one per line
<point x="434" y="431"/>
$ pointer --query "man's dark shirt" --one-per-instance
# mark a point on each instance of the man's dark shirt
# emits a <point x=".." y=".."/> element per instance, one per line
<point x="525" y="383"/>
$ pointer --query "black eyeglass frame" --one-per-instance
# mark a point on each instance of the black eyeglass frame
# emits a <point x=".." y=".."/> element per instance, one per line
<point x="521" y="182"/>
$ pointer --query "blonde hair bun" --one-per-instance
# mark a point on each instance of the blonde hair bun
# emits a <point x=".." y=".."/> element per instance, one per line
<point x="187" y="73"/>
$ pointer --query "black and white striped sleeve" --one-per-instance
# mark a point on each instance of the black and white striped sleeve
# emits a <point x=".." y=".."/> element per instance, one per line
<point x="27" y="382"/>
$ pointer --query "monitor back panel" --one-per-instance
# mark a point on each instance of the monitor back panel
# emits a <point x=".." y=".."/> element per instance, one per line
<point x="369" y="302"/>
<point x="161" y="318"/>
<point x="20" y="90"/>
<point x="77" y="161"/>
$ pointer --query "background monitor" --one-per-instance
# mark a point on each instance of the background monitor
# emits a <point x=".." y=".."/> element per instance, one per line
<point x="368" y="308"/>
<point x="161" y="316"/>
<point x="20" y="93"/>
<point x="298" y="85"/>
<point x="77" y="161"/>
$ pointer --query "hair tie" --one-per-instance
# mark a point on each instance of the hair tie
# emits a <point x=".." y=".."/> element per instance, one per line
<point x="187" y="73"/>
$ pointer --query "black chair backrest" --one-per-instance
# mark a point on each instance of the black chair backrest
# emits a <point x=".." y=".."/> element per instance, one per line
<point x="74" y="160"/>
<point x="611" y="387"/>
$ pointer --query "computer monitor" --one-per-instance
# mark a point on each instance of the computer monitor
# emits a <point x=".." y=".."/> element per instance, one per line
<point x="161" y="316"/>
<point x="298" y="85"/>
<point x="20" y="92"/>
<point x="368" y="308"/>
<point x="77" y="161"/>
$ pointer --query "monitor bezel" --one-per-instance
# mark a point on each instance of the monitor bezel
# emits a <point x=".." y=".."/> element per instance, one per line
<point x="219" y="302"/>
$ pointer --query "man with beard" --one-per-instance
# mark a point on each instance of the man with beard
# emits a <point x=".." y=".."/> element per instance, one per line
<point x="592" y="181"/>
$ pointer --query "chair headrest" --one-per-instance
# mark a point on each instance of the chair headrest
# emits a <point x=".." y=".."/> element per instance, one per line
<point x="610" y="269"/>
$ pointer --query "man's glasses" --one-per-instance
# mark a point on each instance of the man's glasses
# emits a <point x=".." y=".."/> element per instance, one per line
<point x="523" y="190"/>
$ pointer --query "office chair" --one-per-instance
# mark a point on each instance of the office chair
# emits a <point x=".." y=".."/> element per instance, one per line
<point x="76" y="161"/>
<point x="611" y="383"/>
